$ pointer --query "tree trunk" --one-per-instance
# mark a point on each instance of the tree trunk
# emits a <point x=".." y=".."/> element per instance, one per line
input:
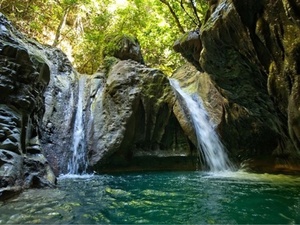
<point x="61" y="26"/>
<point x="174" y="15"/>
<point x="195" y="12"/>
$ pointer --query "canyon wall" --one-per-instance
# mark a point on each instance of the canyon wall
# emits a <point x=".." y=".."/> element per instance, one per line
<point x="249" y="52"/>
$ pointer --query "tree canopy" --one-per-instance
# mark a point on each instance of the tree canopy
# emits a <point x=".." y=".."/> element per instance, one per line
<point x="80" y="27"/>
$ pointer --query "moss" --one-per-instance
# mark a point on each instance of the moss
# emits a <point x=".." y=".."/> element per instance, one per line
<point x="116" y="42"/>
<point x="108" y="63"/>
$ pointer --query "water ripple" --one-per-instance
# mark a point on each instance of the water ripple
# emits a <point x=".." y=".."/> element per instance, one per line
<point x="160" y="198"/>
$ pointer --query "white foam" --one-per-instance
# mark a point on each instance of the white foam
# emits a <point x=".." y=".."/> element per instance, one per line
<point x="209" y="144"/>
<point x="75" y="176"/>
<point x="78" y="162"/>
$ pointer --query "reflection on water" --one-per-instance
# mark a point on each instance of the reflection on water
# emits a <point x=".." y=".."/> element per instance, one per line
<point x="170" y="197"/>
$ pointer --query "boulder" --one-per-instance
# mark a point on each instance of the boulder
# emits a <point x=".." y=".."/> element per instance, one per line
<point x="189" y="46"/>
<point x="124" y="47"/>
<point x="133" y="126"/>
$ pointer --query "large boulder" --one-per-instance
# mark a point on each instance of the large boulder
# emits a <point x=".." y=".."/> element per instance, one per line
<point x="133" y="125"/>
<point x="190" y="46"/>
<point x="123" y="47"/>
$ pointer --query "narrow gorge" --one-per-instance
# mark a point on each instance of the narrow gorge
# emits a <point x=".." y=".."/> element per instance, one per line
<point x="243" y="64"/>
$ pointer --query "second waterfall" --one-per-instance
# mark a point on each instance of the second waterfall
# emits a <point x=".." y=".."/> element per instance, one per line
<point x="210" y="147"/>
<point x="78" y="162"/>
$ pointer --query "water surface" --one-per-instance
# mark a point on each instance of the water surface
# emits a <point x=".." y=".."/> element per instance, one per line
<point x="164" y="198"/>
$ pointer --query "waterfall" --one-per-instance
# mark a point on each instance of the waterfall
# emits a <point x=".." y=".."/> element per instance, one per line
<point x="78" y="162"/>
<point x="209" y="144"/>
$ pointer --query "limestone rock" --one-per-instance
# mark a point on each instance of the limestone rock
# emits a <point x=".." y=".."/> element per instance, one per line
<point x="10" y="168"/>
<point x="133" y="124"/>
<point x="24" y="74"/>
<point x="250" y="57"/>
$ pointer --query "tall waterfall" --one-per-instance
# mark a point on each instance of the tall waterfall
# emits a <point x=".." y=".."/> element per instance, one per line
<point x="78" y="162"/>
<point x="209" y="144"/>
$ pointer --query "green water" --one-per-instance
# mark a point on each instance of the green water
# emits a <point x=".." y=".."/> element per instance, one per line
<point x="161" y="198"/>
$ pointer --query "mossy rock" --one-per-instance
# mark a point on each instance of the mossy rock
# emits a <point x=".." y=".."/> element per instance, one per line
<point x="123" y="47"/>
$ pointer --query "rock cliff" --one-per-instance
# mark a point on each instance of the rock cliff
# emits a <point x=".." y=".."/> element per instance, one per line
<point x="249" y="54"/>
<point x="24" y="74"/>
<point x="127" y="120"/>
<point x="244" y="65"/>
<point x="125" y="112"/>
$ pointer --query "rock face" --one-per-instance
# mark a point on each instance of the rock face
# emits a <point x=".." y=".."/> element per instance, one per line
<point x="126" y="117"/>
<point x="198" y="82"/>
<point x="61" y="97"/>
<point x="250" y="57"/>
<point x="122" y="116"/>
<point x="133" y="125"/>
<point x="23" y="78"/>
<point x="127" y="120"/>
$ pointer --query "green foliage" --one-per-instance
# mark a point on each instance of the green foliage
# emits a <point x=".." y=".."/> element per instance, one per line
<point x="108" y="62"/>
<point x="88" y="23"/>
<point x="115" y="42"/>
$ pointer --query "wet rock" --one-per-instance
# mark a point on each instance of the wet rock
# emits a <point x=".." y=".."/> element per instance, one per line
<point x="10" y="168"/>
<point x="24" y="74"/>
<point x="61" y="97"/>
<point x="14" y="137"/>
<point x="194" y="81"/>
<point x="10" y="127"/>
<point x="37" y="171"/>
<point x="10" y="145"/>
<point x="34" y="146"/>
<point x="9" y="192"/>
<point x="133" y="125"/>
<point x="250" y="56"/>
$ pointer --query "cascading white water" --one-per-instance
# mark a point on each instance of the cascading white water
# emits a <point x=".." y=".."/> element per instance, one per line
<point x="78" y="163"/>
<point x="209" y="144"/>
